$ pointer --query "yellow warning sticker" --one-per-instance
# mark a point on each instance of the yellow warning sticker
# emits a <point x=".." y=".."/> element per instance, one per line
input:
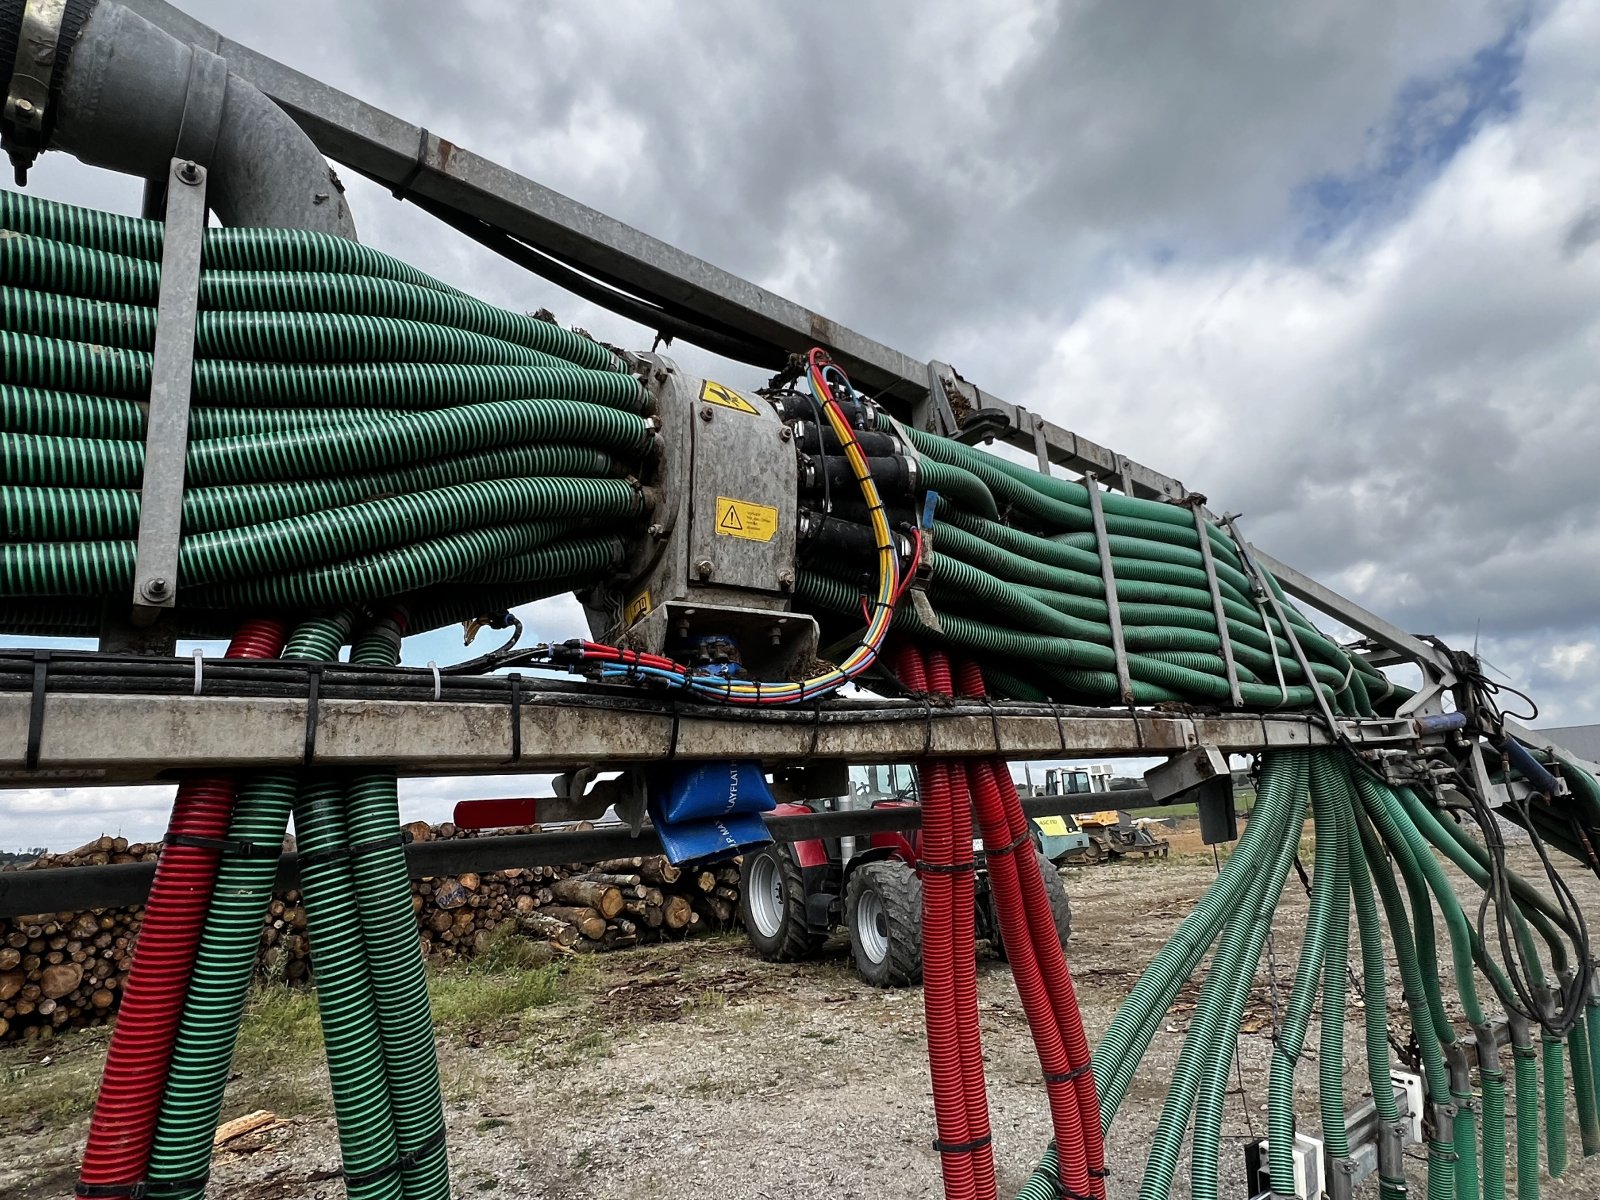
<point x="1051" y="826"/>
<point x="637" y="608"/>
<point x="741" y="519"/>
<point x="716" y="393"/>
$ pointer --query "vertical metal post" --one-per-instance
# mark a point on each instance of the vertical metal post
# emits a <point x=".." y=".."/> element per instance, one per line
<point x="155" y="572"/>
<point x="1108" y="575"/>
<point x="1217" y="609"/>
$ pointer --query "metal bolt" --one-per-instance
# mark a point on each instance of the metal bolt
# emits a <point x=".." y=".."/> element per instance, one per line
<point x="703" y="568"/>
<point x="156" y="588"/>
<point x="657" y="532"/>
<point x="25" y="106"/>
<point x="705" y="412"/>
<point x="785" y="433"/>
<point x="785" y="579"/>
<point x="661" y="376"/>
<point x="188" y="172"/>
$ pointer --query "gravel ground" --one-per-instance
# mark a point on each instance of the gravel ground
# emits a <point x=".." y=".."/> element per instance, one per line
<point x="697" y="1071"/>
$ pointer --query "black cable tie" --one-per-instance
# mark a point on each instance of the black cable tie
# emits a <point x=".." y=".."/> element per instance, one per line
<point x="410" y="1158"/>
<point x="816" y="729"/>
<point x="994" y="724"/>
<point x="1068" y="1076"/>
<point x="365" y="1177"/>
<point x="1061" y="727"/>
<point x="963" y="1147"/>
<point x="672" y="746"/>
<point x="1100" y="1172"/>
<point x="313" y="686"/>
<point x="239" y="847"/>
<point x="310" y="858"/>
<point x="133" y="1191"/>
<point x="177" y="1187"/>
<point x="927" y="727"/>
<point x="41" y="674"/>
<point x="404" y="186"/>
<point x="945" y="868"/>
<point x="397" y="838"/>
<point x="516" y="715"/>
<point x="1022" y="839"/>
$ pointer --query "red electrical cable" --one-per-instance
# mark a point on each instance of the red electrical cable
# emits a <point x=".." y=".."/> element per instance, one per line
<point x="123" y="1124"/>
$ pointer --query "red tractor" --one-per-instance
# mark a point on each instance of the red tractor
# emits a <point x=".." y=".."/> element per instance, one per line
<point x="794" y="895"/>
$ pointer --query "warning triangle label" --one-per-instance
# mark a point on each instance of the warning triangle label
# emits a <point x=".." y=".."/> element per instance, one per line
<point x="725" y="397"/>
<point x="730" y="520"/>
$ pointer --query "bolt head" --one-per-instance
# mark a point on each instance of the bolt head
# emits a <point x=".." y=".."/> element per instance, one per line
<point x="786" y="579"/>
<point x="155" y="588"/>
<point x="785" y="433"/>
<point x="705" y="412"/>
<point x="657" y="532"/>
<point x="188" y="172"/>
<point x="703" y="568"/>
<point x="25" y="106"/>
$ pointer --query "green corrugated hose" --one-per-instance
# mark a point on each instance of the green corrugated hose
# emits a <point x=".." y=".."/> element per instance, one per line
<point x="1555" y="1108"/>
<point x="225" y="961"/>
<point x="389" y="931"/>
<point x="358" y="429"/>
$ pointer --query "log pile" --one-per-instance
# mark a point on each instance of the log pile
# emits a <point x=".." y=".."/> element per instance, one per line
<point x="65" y="970"/>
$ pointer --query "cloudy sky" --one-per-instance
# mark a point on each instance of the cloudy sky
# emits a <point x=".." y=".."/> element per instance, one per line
<point x="1335" y="265"/>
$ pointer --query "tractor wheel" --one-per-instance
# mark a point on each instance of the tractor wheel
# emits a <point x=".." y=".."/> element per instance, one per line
<point x="883" y="909"/>
<point x="772" y="905"/>
<point x="1055" y="892"/>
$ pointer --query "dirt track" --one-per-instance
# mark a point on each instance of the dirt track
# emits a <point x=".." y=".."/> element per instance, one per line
<point x="697" y="1071"/>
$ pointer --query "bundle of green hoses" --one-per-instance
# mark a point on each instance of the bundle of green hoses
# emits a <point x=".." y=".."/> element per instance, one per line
<point x="358" y="430"/>
<point x="1015" y="580"/>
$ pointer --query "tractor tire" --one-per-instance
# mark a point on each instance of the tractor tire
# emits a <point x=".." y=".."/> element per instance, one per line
<point x="1055" y="891"/>
<point x="883" y="910"/>
<point x="772" y="905"/>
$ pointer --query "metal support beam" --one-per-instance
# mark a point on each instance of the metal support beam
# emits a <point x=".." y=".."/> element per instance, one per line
<point x="131" y="738"/>
<point x="155" y="571"/>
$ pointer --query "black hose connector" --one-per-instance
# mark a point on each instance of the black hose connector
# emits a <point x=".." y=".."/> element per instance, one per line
<point x="821" y="439"/>
<point x="895" y="476"/>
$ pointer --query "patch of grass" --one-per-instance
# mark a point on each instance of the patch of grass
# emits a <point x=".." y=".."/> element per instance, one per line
<point x="279" y="1052"/>
<point x="479" y="996"/>
<point x="55" y="1092"/>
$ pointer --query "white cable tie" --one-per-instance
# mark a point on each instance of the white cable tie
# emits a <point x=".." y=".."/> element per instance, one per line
<point x="434" y="667"/>
<point x="199" y="670"/>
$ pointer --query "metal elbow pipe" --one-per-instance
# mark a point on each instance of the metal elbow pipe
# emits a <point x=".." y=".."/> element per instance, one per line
<point x="130" y="97"/>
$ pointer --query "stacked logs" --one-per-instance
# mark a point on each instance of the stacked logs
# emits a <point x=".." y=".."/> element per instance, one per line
<point x="65" y="970"/>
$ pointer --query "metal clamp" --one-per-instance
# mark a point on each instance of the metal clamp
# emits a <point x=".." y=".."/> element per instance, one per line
<point x="155" y="571"/>
<point x="28" y="94"/>
<point x="1108" y="576"/>
<point x="1218" y="612"/>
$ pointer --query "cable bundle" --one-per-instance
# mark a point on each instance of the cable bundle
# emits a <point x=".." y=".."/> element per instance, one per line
<point x="358" y="430"/>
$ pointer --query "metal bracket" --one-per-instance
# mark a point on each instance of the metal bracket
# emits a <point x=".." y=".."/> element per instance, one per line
<point x="28" y="94"/>
<point x="1218" y="612"/>
<point x="1109" y="576"/>
<point x="1201" y="775"/>
<point x="155" y="571"/>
